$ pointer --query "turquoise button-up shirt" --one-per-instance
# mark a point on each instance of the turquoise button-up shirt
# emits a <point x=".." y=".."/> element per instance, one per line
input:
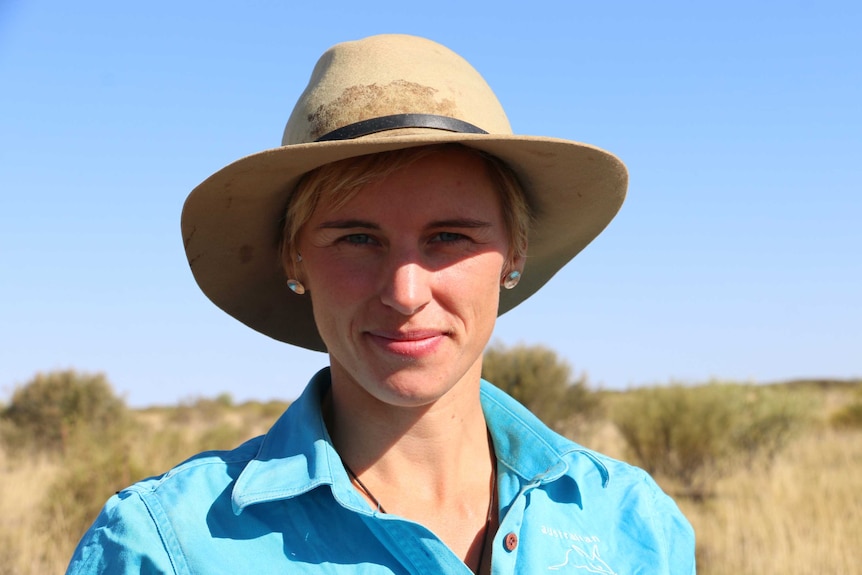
<point x="283" y="503"/>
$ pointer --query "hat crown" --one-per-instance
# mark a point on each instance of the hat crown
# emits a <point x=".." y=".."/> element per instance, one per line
<point x="387" y="75"/>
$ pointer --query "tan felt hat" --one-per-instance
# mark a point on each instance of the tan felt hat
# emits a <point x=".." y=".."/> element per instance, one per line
<point x="373" y="95"/>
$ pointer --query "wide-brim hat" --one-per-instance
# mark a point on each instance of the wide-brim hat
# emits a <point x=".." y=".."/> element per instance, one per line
<point x="373" y="95"/>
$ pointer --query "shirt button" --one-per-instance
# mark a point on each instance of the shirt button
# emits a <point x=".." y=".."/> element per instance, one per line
<point x="511" y="542"/>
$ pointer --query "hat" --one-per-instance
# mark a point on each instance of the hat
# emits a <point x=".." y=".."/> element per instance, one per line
<point x="373" y="95"/>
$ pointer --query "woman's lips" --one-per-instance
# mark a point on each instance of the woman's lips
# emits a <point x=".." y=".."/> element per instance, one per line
<point x="415" y="344"/>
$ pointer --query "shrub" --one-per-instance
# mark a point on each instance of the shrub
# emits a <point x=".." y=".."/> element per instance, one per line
<point x="202" y="408"/>
<point x="693" y="435"/>
<point x="849" y="416"/>
<point x="46" y="410"/>
<point x="539" y="379"/>
<point x="102" y="464"/>
<point x="267" y="411"/>
<point x="221" y="436"/>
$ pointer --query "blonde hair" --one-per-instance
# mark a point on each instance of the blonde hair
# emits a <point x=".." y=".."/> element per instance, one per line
<point x="337" y="183"/>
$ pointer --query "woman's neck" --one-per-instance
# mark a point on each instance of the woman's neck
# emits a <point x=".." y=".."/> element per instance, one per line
<point x="433" y="464"/>
<point x="441" y="441"/>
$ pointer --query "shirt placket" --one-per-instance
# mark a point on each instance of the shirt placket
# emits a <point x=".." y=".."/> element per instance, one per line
<point x="507" y="542"/>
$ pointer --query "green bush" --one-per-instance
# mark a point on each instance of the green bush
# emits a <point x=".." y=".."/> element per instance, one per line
<point x="255" y="411"/>
<point x="221" y="436"/>
<point x="48" y="409"/>
<point x="202" y="408"/>
<point x="849" y="416"/>
<point x="694" y="435"/>
<point x="539" y="379"/>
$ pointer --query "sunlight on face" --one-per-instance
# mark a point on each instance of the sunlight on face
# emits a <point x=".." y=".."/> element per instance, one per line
<point x="405" y="279"/>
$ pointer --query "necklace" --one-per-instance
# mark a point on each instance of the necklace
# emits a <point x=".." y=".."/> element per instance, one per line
<point x="488" y="519"/>
<point x="362" y="487"/>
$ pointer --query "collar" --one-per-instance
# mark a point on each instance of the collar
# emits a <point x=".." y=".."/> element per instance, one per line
<point x="297" y="454"/>
<point x="529" y="448"/>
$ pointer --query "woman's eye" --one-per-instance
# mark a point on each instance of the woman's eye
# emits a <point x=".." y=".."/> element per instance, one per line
<point x="448" y="237"/>
<point x="357" y="239"/>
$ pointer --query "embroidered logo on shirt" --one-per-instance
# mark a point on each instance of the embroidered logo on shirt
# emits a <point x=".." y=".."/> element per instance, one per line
<point x="592" y="562"/>
<point x="568" y="535"/>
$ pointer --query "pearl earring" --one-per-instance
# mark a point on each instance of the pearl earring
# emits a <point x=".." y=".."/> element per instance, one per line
<point x="511" y="279"/>
<point x="296" y="286"/>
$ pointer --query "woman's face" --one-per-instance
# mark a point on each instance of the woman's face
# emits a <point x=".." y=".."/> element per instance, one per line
<point x="405" y="278"/>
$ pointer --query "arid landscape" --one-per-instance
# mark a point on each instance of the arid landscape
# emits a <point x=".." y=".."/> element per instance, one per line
<point x="782" y="497"/>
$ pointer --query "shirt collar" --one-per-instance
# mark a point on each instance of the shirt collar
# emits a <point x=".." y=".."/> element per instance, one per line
<point x="529" y="448"/>
<point x="297" y="455"/>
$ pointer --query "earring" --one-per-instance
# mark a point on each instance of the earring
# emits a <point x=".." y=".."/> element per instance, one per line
<point x="296" y="286"/>
<point x="511" y="279"/>
<point x="298" y="257"/>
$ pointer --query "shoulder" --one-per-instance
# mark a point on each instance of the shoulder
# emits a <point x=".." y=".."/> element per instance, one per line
<point x="624" y="485"/>
<point x="602" y="507"/>
<point x="627" y="498"/>
<point x="194" y="486"/>
<point x="582" y="500"/>
<point x="207" y="469"/>
<point x="135" y="531"/>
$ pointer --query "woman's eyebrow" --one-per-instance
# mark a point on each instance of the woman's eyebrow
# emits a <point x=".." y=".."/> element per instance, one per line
<point x="470" y="223"/>
<point x="460" y="223"/>
<point x="347" y="224"/>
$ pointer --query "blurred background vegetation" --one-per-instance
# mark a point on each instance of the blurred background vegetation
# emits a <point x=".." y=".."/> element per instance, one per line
<point x="768" y="474"/>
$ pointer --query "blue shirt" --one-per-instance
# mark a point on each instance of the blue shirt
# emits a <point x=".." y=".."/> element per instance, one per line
<point x="283" y="503"/>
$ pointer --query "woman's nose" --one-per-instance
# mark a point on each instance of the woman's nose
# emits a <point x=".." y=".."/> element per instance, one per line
<point x="407" y="287"/>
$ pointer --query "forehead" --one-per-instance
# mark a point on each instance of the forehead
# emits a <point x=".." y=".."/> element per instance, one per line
<point x="440" y="181"/>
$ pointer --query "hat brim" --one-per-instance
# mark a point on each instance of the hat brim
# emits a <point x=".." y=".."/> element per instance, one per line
<point x="231" y="223"/>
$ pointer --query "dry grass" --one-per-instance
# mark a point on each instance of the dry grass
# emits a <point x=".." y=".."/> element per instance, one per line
<point x="801" y="515"/>
<point x="25" y="548"/>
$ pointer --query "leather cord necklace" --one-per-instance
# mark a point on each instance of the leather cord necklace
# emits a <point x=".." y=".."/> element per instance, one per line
<point x="362" y="487"/>
<point x="488" y="521"/>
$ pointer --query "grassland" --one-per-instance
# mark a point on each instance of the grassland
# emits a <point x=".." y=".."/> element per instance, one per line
<point x="797" y="510"/>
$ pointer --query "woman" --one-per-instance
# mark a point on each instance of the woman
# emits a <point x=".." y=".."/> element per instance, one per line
<point x="398" y="219"/>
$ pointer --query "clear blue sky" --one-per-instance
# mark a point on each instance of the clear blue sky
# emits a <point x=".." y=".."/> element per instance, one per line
<point x="738" y="254"/>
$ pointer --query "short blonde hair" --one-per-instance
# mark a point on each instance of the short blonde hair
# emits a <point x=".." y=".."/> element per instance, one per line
<point x="337" y="183"/>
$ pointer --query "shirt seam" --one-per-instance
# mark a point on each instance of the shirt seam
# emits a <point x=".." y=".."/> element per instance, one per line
<point x="161" y="527"/>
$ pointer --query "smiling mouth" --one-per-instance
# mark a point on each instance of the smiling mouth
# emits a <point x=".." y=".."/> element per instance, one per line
<point x="412" y="344"/>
